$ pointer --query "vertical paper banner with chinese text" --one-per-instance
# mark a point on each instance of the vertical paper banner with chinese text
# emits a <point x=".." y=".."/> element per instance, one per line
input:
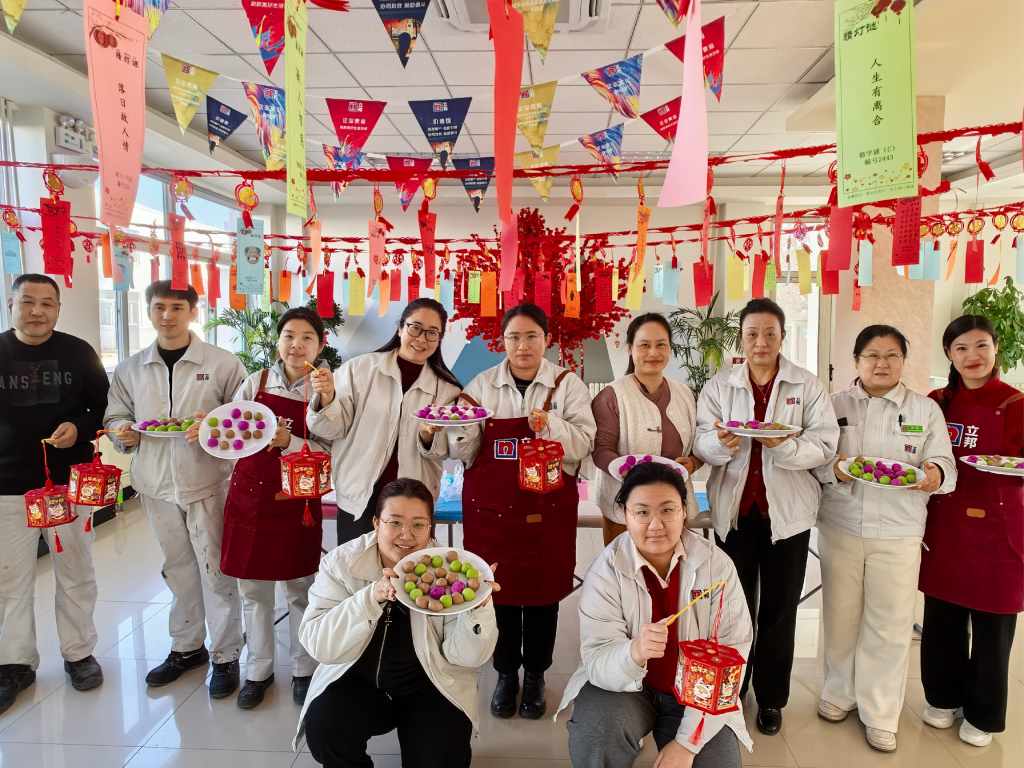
<point x="296" y="24"/>
<point x="376" y="236"/>
<point x="179" y="256"/>
<point x="250" y="258"/>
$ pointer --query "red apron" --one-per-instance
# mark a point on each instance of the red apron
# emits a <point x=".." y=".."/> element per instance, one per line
<point x="974" y="536"/>
<point x="531" y="535"/>
<point x="264" y="538"/>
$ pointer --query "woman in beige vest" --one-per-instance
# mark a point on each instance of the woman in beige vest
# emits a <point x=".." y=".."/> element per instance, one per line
<point x="643" y="413"/>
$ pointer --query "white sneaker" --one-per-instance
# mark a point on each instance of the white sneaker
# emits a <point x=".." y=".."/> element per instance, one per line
<point x="830" y="712"/>
<point x="939" y="718"/>
<point x="883" y="741"/>
<point x="974" y="736"/>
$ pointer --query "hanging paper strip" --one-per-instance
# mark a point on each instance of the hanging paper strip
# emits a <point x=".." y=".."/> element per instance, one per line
<point x="509" y="253"/>
<point x="296" y="25"/>
<point x="267" y="105"/>
<point x="974" y="266"/>
<point x="548" y="158"/>
<point x="196" y="277"/>
<point x="535" y="111"/>
<point x="353" y="122"/>
<point x="840" y="237"/>
<point x="713" y="45"/>
<point x="539" y="22"/>
<point x="325" y="294"/>
<point x="603" y="301"/>
<point x="770" y="276"/>
<point x="337" y="160"/>
<point x="643" y="217"/>
<point x="284" y="286"/>
<point x="123" y="274"/>
<point x="664" y="119"/>
<point x="606" y="147"/>
<point x="447" y="295"/>
<point x="383" y="293"/>
<point x="572" y="297"/>
<point x="507" y="34"/>
<point x="932" y="261"/>
<point x="213" y="280"/>
<point x="316" y="252"/>
<point x="441" y="122"/>
<point x="395" y="283"/>
<point x="760" y="268"/>
<point x="475" y="186"/>
<point x="734" y="277"/>
<point x="376" y="236"/>
<point x="427" y="222"/>
<point x="357" y="292"/>
<point x="407" y="188"/>
<point x="250" y="257"/>
<point x="542" y="291"/>
<point x="615" y="284"/>
<point x="188" y="85"/>
<point x="671" y="297"/>
<point x="116" y="53"/>
<point x="402" y="21"/>
<point x="703" y="282"/>
<point x="674" y="9"/>
<point x="916" y="271"/>
<point x="221" y="121"/>
<point x="236" y="300"/>
<point x="876" y="108"/>
<point x="865" y="253"/>
<point x="906" y="234"/>
<point x="803" y="261"/>
<point x="686" y="178"/>
<point x="12" y="13"/>
<point x="11" y="248"/>
<point x="828" y="278"/>
<point x="634" y="288"/>
<point x="473" y="290"/>
<point x="151" y="10"/>
<point x="659" y="280"/>
<point x="55" y="222"/>
<point x="268" y="284"/>
<point x="266" y="18"/>
<point x="488" y="295"/>
<point x="413" y="287"/>
<point x="619" y="83"/>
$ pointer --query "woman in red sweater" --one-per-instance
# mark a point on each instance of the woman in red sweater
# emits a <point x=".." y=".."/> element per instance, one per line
<point x="972" y="565"/>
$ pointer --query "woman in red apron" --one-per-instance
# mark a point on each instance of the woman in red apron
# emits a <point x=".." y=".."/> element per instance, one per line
<point x="266" y="539"/>
<point x="972" y="566"/>
<point x="530" y="535"/>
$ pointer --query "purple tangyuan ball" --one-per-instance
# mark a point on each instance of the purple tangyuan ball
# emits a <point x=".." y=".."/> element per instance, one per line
<point x="436" y="592"/>
<point x="897" y="467"/>
<point x="226" y="422"/>
<point x="630" y="461"/>
<point x="261" y="425"/>
<point x="243" y="425"/>
<point x="235" y="413"/>
<point x="446" y="418"/>
<point x="480" y="413"/>
<point x="238" y="445"/>
<point x="646" y="458"/>
<point x="212" y="442"/>
<point x="878" y="474"/>
<point x="972" y="459"/>
<point x="734" y="424"/>
<point x="458" y="586"/>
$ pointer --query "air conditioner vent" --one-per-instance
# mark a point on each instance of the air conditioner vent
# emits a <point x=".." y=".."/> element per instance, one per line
<point x="586" y="16"/>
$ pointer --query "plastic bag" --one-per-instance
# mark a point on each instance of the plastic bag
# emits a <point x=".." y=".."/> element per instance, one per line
<point x="451" y="486"/>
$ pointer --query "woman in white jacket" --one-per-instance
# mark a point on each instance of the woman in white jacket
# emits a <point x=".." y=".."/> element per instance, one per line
<point x="869" y="538"/>
<point x="623" y="686"/>
<point x="383" y="666"/>
<point x="367" y="409"/>
<point x="763" y="497"/>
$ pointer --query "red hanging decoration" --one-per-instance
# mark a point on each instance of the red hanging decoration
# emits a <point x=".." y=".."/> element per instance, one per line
<point x="94" y="484"/>
<point x="576" y="188"/>
<point x="11" y="220"/>
<point x="306" y="474"/>
<point x="984" y="168"/>
<point x="48" y="506"/>
<point x="246" y="196"/>
<point x="181" y="191"/>
<point x="540" y="465"/>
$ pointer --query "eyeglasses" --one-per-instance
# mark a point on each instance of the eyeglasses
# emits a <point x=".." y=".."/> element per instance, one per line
<point x="889" y="359"/>
<point x="418" y="330"/>
<point x="516" y="341"/>
<point x="395" y="527"/>
<point x="646" y="515"/>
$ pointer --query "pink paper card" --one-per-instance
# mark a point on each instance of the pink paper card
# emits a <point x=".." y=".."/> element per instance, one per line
<point x="840" y="237"/>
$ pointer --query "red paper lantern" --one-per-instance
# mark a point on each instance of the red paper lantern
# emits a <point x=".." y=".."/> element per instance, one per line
<point x="540" y="465"/>
<point x="48" y="506"/>
<point x="708" y="677"/>
<point x="95" y="484"/>
<point x="306" y="474"/>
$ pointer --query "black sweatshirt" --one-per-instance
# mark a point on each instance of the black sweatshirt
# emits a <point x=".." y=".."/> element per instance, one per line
<point x="41" y="387"/>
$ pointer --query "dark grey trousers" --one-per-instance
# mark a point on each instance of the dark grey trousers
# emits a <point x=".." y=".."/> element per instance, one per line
<point x="606" y="728"/>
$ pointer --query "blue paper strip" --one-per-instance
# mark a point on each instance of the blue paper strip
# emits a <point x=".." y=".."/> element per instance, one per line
<point x="344" y="292"/>
<point x="123" y="277"/>
<point x="12" y="253"/>
<point x="932" y="261"/>
<point x="448" y="295"/>
<point x="250" y="258"/>
<point x="916" y="271"/>
<point x="866" y="250"/>
<point x="659" y="280"/>
<point x="671" y="297"/>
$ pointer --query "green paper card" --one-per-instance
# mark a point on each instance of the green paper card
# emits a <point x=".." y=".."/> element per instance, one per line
<point x="876" y="107"/>
<point x="473" y="290"/>
<point x="770" y="278"/>
<point x="265" y="299"/>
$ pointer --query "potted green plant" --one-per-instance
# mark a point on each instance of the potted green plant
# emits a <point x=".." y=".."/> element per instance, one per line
<point x="1004" y="308"/>
<point x="703" y="341"/>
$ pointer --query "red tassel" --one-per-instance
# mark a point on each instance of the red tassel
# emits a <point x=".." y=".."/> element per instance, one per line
<point x="88" y="523"/>
<point x="985" y="168"/>
<point x="307" y="518"/>
<point x="187" y="212"/>
<point x="56" y="543"/>
<point x="572" y="212"/>
<point x="712" y="208"/>
<point x="833" y="198"/>
<point x="20" y="236"/>
<point x="388" y="226"/>
<point x="996" y="239"/>
<point x="247" y="218"/>
<point x="698" y="732"/>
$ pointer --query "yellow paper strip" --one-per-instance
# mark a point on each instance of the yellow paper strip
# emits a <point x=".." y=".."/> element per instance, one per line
<point x="357" y="294"/>
<point x="296" y="24"/>
<point x="615" y="284"/>
<point x="803" y="261"/>
<point x="634" y="289"/>
<point x="734" y="277"/>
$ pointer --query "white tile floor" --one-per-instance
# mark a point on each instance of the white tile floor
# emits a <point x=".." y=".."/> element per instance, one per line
<point x="125" y="723"/>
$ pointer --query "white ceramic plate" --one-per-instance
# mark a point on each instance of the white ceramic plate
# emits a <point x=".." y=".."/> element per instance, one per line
<point x="845" y="467"/>
<point x="464" y="556"/>
<point x="996" y="470"/>
<point x="250" y="446"/>
<point x="459" y="423"/>
<point x="616" y="465"/>
<point x="745" y="432"/>
<point x="182" y="433"/>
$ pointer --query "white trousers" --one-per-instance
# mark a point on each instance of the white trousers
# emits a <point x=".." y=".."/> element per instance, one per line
<point x="258" y="601"/>
<point x="75" y="591"/>
<point x="868" y="589"/>
<point x="190" y="538"/>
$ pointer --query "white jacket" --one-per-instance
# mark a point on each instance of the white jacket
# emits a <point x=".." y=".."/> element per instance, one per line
<point x="797" y="398"/>
<point x="342" y="615"/>
<point x="173" y="469"/>
<point x="365" y="418"/>
<point x="615" y="604"/>
<point x="570" y="418"/>
<point x="278" y="384"/>
<point x="900" y="425"/>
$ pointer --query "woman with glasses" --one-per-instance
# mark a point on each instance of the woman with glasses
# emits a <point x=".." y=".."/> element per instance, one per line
<point x="531" y="533"/>
<point x="643" y="412"/>
<point x="366" y="408"/>
<point x="763" y="497"/>
<point x="382" y="666"/>
<point x="869" y="538"/>
<point x="622" y="689"/>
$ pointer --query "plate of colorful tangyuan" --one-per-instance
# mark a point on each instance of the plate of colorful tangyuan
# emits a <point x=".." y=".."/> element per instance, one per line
<point x="760" y="428"/>
<point x="884" y="473"/>
<point x="236" y="430"/>
<point x="452" y="415"/>
<point x="442" y="580"/>
<point x="1000" y="465"/>
<point x="164" y="427"/>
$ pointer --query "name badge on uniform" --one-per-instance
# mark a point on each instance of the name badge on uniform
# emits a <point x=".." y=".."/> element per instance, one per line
<point x="698" y="594"/>
<point x="507" y="448"/>
<point x="911" y="428"/>
<point x="792" y="401"/>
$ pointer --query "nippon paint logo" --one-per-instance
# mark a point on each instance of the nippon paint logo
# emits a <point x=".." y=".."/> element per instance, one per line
<point x="355" y="106"/>
<point x="188" y="69"/>
<point x="440" y="106"/>
<point x="664" y="109"/>
<point x="474" y="163"/>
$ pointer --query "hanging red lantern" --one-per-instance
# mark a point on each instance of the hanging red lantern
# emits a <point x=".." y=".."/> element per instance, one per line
<point x="708" y="677"/>
<point x="94" y="484"/>
<point x="938" y="229"/>
<point x="48" y="507"/>
<point x="540" y="465"/>
<point x="306" y="474"/>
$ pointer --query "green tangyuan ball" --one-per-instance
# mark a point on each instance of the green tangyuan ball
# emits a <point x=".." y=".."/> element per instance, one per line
<point x="212" y="421"/>
<point x="885" y="480"/>
<point x="410" y="586"/>
<point x="472" y="573"/>
<point x="414" y="593"/>
<point x="455" y="567"/>
<point x="446" y="601"/>
<point x="420" y="569"/>
<point x="468" y="594"/>
<point x="436" y="561"/>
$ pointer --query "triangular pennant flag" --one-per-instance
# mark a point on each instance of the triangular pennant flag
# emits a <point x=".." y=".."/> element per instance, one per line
<point x="664" y="119"/>
<point x="266" y="17"/>
<point x="534" y="111"/>
<point x="407" y="188"/>
<point x="547" y="158"/>
<point x="674" y="9"/>
<point x="402" y="20"/>
<point x="188" y="85"/>
<point x="12" y="13"/>
<point x="354" y="121"/>
<point x="441" y="122"/>
<point x="476" y="186"/>
<point x="267" y="106"/>
<point x="606" y="147"/>
<point x="539" y="22"/>
<point x="152" y="10"/>
<point x="337" y="160"/>
<point x="619" y="83"/>
<point x="713" y="45"/>
<point x="221" y="121"/>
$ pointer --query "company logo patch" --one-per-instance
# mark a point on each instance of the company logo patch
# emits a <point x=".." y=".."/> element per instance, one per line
<point x="908" y="448"/>
<point x="440" y="106"/>
<point x="956" y="433"/>
<point x="506" y="449"/>
<point x="792" y="401"/>
<point x="202" y="377"/>
<point x="355" y="106"/>
<point x="188" y="69"/>
<point x="696" y="594"/>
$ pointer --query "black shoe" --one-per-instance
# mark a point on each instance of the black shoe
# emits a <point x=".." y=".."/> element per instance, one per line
<point x="300" y="687"/>
<point x="14" y="678"/>
<point x="533" y="705"/>
<point x="176" y="665"/>
<point x="224" y="680"/>
<point x="503" y="703"/>
<point x="85" y="673"/>
<point x="252" y="692"/>
<point x="769" y="720"/>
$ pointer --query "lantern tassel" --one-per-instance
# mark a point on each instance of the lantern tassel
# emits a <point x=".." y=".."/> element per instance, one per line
<point x="571" y="214"/>
<point x="307" y="518"/>
<point x="88" y="523"/>
<point x="698" y="732"/>
<point x="56" y="543"/>
<point x="247" y="218"/>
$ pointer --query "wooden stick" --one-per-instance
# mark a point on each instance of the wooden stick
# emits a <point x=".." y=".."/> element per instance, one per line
<point x="690" y="605"/>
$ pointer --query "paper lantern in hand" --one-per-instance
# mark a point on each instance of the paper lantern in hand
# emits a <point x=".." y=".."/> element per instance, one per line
<point x="540" y="465"/>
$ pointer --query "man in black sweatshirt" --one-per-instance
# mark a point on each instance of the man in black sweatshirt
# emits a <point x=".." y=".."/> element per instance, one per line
<point x="52" y="387"/>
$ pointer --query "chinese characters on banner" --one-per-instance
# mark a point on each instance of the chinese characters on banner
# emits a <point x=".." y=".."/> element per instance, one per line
<point x="408" y="187"/>
<point x="475" y="186"/>
<point x="221" y="121"/>
<point x="55" y="221"/>
<point x="664" y="119"/>
<point x="353" y="122"/>
<point x="188" y="85"/>
<point x="906" y="232"/>
<point x="249" y="261"/>
<point x="402" y="21"/>
<point x="606" y="147"/>
<point x="876" y="109"/>
<point x="11" y="248"/>
<point x="116" y="53"/>
<point x="375" y="237"/>
<point x="539" y="22"/>
<point x="441" y="122"/>
<point x="296" y="23"/>
<point x="179" y="256"/>
<point x="427" y="222"/>
<point x="267" y="105"/>
<point x="535" y="111"/>
<point x="266" y="18"/>
<point x="548" y="157"/>
<point x="619" y="83"/>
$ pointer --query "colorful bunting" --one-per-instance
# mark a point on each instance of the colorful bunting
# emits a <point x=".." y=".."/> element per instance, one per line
<point x="539" y="22"/>
<point x="674" y="9"/>
<point x="548" y="158"/>
<point x="337" y="160"/>
<point x="664" y="119"/>
<point x="535" y="111"/>
<point x="267" y="105"/>
<point x="475" y="186"/>
<point x="619" y="83"/>
<point x="221" y="121"/>
<point x="266" y="17"/>
<point x="402" y="20"/>
<point x="151" y="10"/>
<point x="12" y="13"/>
<point x="606" y="147"/>
<point x="188" y="85"/>
<point x="407" y="189"/>
<point x="713" y="48"/>
<point x="354" y="121"/>
<point x="441" y="122"/>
